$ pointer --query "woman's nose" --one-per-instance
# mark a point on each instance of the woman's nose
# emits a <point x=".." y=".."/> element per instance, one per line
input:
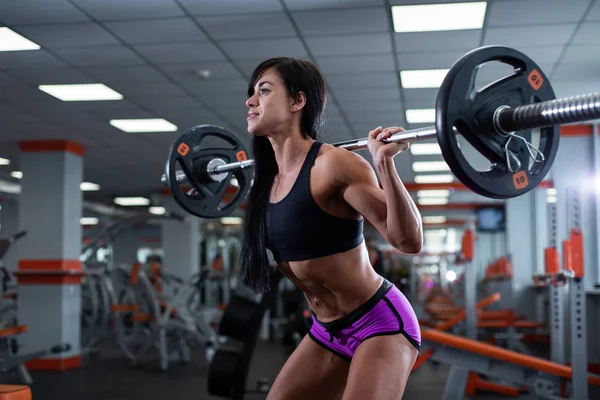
<point x="250" y="102"/>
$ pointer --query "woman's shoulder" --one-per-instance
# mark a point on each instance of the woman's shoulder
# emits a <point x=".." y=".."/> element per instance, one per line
<point x="336" y="157"/>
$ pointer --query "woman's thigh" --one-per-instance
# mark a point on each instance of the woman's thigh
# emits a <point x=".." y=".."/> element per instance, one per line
<point x="311" y="372"/>
<point x="380" y="368"/>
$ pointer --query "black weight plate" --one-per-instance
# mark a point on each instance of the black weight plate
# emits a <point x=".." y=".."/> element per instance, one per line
<point x="471" y="112"/>
<point x="239" y="318"/>
<point x="222" y="373"/>
<point x="193" y="156"/>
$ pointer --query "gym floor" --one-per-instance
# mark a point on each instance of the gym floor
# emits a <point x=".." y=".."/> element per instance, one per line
<point x="108" y="376"/>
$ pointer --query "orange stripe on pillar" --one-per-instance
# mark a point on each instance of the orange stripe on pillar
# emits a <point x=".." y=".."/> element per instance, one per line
<point x="50" y="265"/>
<point x="54" y="364"/>
<point x="576" y="130"/>
<point x="49" y="272"/>
<point x="46" y="146"/>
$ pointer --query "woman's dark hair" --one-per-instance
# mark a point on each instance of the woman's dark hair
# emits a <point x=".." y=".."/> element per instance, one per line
<point x="297" y="76"/>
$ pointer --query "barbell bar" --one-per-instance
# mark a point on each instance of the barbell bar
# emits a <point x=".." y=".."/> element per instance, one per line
<point x="496" y="120"/>
<point x="560" y="111"/>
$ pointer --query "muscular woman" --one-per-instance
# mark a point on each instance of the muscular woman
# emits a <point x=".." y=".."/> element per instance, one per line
<point x="307" y="206"/>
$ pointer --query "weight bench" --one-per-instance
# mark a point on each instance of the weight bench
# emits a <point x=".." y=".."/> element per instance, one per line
<point x="543" y="378"/>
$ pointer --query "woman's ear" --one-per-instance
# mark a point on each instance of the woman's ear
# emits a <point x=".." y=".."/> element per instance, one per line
<point x="299" y="102"/>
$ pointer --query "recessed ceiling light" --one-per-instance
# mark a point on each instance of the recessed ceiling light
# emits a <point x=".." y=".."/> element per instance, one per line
<point x="17" y="174"/>
<point x="420" y="116"/>
<point x="156" y="210"/>
<point x="438" y="17"/>
<point x="422" y="78"/>
<point x="429" y="166"/>
<point x="89" y="187"/>
<point x="88" y="221"/>
<point x="421" y="149"/>
<point x="434" y="219"/>
<point x="81" y="92"/>
<point x="4" y="161"/>
<point x="143" y="125"/>
<point x="442" y="178"/>
<point x="131" y="201"/>
<point x="12" y="41"/>
<point x="433" y="193"/>
<point x="231" y="221"/>
<point x="431" y="201"/>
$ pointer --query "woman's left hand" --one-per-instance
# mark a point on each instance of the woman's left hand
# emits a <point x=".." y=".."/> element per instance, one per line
<point x="379" y="149"/>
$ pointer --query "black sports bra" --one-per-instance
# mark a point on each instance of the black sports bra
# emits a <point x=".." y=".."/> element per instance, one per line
<point x="298" y="229"/>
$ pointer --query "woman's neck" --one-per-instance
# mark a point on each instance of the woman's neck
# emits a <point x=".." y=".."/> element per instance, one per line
<point x="290" y="151"/>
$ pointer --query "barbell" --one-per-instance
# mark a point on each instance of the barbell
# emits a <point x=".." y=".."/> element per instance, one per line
<point x="496" y="120"/>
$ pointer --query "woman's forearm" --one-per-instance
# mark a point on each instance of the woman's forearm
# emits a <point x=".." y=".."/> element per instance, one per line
<point x="403" y="221"/>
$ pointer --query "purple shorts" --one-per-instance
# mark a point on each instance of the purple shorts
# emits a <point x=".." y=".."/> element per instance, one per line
<point x="388" y="312"/>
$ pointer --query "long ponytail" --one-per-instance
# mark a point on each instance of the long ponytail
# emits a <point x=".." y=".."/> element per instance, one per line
<point x="255" y="263"/>
<point x="298" y="76"/>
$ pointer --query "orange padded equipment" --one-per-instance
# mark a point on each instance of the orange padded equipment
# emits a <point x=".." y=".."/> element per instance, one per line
<point x="498" y="353"/>
<point x="15" y="392"/>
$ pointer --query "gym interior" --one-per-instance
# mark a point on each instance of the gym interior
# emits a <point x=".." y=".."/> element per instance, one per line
<point x="121" y="269"/>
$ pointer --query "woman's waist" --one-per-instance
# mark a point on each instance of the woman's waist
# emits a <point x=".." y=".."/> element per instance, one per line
<point x="346" y="305"/>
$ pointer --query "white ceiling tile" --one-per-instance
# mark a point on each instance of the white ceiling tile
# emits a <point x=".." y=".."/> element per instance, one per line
<point x="248" y="26"/>
<point x="189" y="71"/>
<point x="297" y="5"/>
<point x="16" y="12"/>
<point x="576" y="72"/>
<point x="544" y="56"/>
<point x="366" y="80"/>
<point x="437" y="41"/>
<point x="53" y="76"/>
<point x="418" y="103"/>
<point x="237" y="109"/>
<point x="530" y="12"/>
<point x="180" y="52"/>
<point x="371" y="121"/>
<point x="219" y="101"/>
<point x="349" y="45"/>
<point x="36" y="59"/>
<point x="537" y="35"/>
<point x="263" y="49"/>
<point x="332" y="114"/>
<point x="68" y="35"/>
<point x="428" y="60"/>
<point x="353" y="65"/>
<point x="573" y="88"/>
<point x="112" y="10"/>
<point x="118" y="113"/>
<point x="141" y="90"/>
<point x="176" y="103"/>
<point x="220" y="7"/>
<point x="170" y="30"/>
<point x="223" y="86"/>
<point x="99" y="56"/>
<point x="368" y="95"/>
<point x="588" y="33"/>
<point x="138" y="73"/>
<point x="594" y="13"/>
<point x="347" y="21"/>
<point x="336" y="136"/>
<point x="581" y="54"/>
<point x="357" y="106"/>
<point x="405" y="2"/>
<point x="386" y="118"/>
<point x="248" y="66"/>
<point x="100" y="106"/>
<point x="416" y="95"/>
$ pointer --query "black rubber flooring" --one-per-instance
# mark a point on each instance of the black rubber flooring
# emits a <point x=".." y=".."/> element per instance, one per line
<point x="109" y="376"/>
